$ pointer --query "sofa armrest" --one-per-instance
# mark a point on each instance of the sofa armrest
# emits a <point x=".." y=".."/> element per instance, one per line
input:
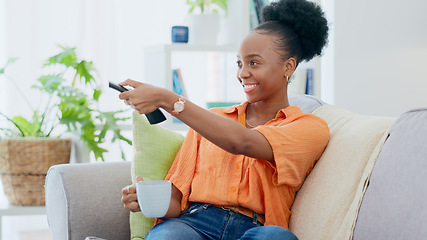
<point x="394" y="205"/>
<point x="85" y="200"/>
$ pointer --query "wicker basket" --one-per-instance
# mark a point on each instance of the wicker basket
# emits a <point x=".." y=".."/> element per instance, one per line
<point x="24" y="163"/>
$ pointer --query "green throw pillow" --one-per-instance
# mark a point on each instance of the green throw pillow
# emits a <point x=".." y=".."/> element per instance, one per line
<point x="154" y="151"/>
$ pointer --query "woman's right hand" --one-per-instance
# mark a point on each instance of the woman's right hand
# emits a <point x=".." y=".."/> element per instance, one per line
<point x="129" y="198"/>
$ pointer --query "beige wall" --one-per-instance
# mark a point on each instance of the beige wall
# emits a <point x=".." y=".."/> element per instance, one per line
<point x="379" y="55"/>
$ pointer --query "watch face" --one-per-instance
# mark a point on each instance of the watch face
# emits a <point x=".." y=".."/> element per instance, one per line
<point x="178" y="106"/>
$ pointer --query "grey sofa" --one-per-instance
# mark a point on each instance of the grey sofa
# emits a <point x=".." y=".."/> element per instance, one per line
<point x="84" y="199"/>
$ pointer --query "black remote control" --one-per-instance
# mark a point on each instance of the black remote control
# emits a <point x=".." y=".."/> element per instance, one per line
<point x="153" y="117"/>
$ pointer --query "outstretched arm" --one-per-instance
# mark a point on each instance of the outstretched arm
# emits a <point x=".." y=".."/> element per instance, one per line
<point x="223" y="132"/>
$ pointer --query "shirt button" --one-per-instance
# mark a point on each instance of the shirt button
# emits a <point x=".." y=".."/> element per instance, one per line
<point x="237" y="166"/>
<point x="233" y="189"/>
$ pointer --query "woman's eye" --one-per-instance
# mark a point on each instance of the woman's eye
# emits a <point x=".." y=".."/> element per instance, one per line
<point x="239" y="63"/>
<point x="254" y="63"/>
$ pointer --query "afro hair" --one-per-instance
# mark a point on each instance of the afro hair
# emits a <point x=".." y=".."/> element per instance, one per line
<point x="300" y="17"/>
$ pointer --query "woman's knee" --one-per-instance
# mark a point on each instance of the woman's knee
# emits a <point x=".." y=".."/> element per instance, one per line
<point x="269" y="233"/>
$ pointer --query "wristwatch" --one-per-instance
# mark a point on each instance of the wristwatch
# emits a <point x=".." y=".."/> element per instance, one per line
<point x="178" y="106"/>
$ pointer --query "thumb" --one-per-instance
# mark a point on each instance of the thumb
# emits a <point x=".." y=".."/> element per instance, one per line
<point x="139" y="179"/>
<point x="130" y="82"/>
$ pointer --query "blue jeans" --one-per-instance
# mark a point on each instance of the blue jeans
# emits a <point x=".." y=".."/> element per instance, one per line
<point x="204" y="221"/>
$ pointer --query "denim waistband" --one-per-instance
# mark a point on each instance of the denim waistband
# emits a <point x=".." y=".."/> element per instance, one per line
<point x="256" y="218"/>
<point x="244" y="211"/>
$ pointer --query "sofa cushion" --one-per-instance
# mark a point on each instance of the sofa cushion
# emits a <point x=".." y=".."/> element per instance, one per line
<point x="154" y="151"/>
<point x="326" y="205"/>
<point x="395" y="205"/>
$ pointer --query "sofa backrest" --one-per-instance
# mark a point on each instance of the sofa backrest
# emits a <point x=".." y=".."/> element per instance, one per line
<point x="395" y="203"/>
<point x="307" y="103"/>
<point x="327" y="203"/>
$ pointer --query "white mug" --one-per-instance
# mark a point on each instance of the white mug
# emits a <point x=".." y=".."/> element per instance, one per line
<point x="154" y="197"/>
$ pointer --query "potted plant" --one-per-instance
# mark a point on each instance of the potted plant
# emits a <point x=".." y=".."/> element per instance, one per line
<point x="203" y="27"/>
<point x="28" y="147"/>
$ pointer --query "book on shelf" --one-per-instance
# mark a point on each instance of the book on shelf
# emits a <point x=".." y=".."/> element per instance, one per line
<point x="178" y="86"/>
<point x="178" y="83"/>
<point x="309" y="89"/>
<point x="301" y="82"/>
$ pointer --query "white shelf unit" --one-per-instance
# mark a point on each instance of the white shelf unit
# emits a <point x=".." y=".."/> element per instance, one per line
<point x="315" y="65"/>
<point x="207" y="73"/>
<point x="9" y="210"/>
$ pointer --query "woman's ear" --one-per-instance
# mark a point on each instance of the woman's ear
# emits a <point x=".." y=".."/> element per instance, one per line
<point x="289" y="67"/>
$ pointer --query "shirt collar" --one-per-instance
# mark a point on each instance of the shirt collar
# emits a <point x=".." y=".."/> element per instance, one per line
<point x="282" y="114"/>
<point x="237" y="108"/>
<point x="288" y="111"/>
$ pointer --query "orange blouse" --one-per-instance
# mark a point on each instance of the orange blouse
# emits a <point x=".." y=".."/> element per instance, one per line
<point x="205" y="173"/>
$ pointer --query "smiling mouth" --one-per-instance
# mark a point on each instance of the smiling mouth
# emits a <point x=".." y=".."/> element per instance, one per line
<point x="249" y="87"/>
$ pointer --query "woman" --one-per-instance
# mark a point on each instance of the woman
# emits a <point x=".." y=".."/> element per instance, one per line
<point x="237" y="172"/>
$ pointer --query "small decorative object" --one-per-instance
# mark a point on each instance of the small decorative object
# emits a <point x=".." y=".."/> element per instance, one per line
<point x="179" y="34"/>
<point x="203" y="29"/>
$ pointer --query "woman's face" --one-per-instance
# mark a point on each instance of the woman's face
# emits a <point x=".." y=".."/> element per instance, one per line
<point x="261" y="70"/>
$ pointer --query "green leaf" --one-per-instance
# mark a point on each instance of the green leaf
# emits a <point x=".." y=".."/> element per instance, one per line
<point x="111" y="124"/>
<point x="122" y="153"/>
<point x="191" y="10"/>
<point x="29" y="129"/>
<point x="83" y="70"/>
<point x="205" y="5"/>
<point x="21" y="132"/>
<point x="92" y="142"/>
<point x="9" y="61"/>
<point x="195" y="3"/>
<point x="98" y="151"/>
<point x="23" y="124"/>
<point x="96" y="94"/>
<point x="9" y="132"/>
<point x="75" y="110"/>
<point x="67" y="57"/>
<point x="221" y="3"/>
<point x="49" y="83"/>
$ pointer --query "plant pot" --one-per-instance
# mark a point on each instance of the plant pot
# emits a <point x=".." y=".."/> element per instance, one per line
<point x="24" y="163"/>
<point x="203" y="29"/>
